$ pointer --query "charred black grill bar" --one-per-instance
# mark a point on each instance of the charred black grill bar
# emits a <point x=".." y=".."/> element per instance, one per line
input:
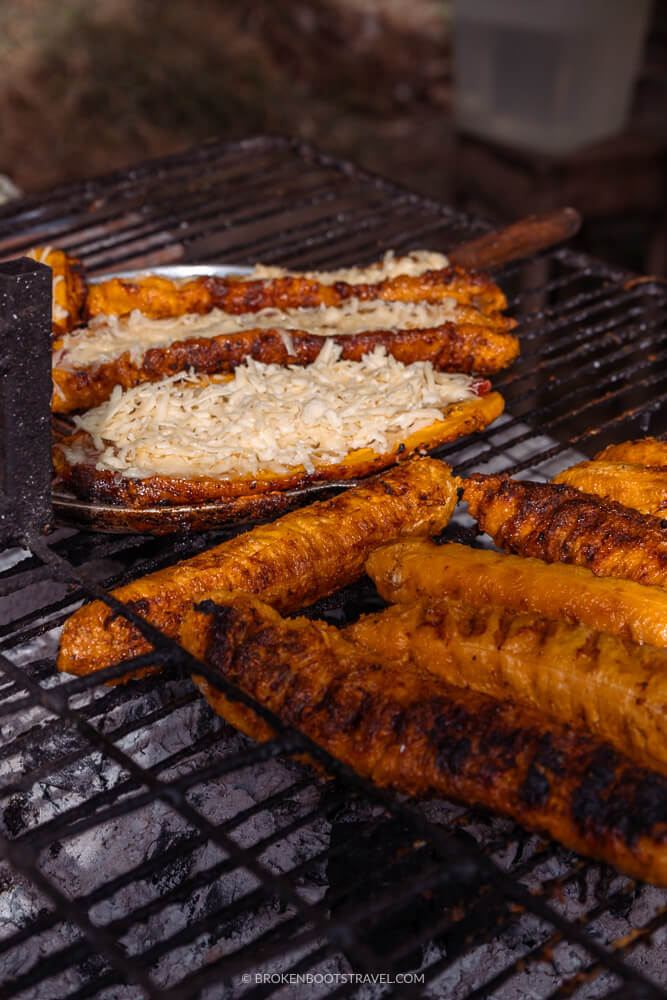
<point x="145" y="843"/>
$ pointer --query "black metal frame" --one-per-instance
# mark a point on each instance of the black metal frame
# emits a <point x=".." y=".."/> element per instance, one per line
<point x="268" y="198"/>
<point x="25" y="399"/>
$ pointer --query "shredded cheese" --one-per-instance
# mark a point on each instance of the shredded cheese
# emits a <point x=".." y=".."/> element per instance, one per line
<point x="106" y="338"/>
<point x="414" y="263"/>
<point x="267" y="417"/>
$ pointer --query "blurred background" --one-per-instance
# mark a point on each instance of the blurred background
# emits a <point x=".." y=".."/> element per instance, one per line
<point x="550" y="103"/>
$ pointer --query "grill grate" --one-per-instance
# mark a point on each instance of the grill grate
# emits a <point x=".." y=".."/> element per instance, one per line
<point x="151" y="851"/>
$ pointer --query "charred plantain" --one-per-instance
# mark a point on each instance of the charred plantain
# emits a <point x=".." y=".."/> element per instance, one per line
<point x="406" y="729"/>
<point x="615" y="689"/>
<point x="560" y="524"/>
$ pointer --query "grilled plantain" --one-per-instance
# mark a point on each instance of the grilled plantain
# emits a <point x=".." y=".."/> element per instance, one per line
<point x="616" y="690"/>
<point x="644" y="451"/>
<point x="159" y="297"/>
<point x="642" y="487"/>
<point x="291" y="562"/>
<point x="418" y="571"/>
<point x="560" y="524"/>
<point x="76" y="462"/>
<point x="454" y="347"/>
<point x="405" y="728"/>
<point x="69" y="287"/>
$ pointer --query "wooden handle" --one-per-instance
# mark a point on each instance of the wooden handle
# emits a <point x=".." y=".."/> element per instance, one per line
<point x="521" y="239"/>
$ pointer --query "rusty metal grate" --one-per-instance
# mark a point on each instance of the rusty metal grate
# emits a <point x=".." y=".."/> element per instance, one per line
<point x="151" y="851"/>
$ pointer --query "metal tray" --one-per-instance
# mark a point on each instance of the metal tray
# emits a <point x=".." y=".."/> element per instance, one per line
<point x="176" y="272"/>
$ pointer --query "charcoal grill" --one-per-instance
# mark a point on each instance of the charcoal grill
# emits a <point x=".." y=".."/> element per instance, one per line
<point x="151" y="851"/>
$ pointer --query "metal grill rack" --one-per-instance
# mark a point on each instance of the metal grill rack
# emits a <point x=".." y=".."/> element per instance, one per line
<point x="151" y="851"/>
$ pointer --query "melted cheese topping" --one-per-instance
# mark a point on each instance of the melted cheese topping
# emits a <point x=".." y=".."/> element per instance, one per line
<point x="108" y="337"/>
<point x="414" y="263"/>
<point x="268" y="417"/>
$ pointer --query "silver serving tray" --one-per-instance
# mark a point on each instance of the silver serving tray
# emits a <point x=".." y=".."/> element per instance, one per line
<point x="119" y="519"/>
<point x="178" y="272"/>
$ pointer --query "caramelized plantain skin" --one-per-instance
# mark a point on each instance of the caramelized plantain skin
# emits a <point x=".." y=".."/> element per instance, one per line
<point x="644" y="451"/>
<point x="90" y="483"/>
<point x="404" y="728"/>
<point x="451" y="347"/>
<point x="69" y="287"/>
<point x="292" y="562"/>
<point x="418" y="571"/>
<point x="559" y="524"/>
<point x="642" y="487"/>
<point x="159" y="297"/>
<point x="574" y="675"/>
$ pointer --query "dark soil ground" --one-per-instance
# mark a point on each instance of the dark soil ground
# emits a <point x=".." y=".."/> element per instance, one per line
<point x="87" y="86"/>
<point x="90" y="86"/>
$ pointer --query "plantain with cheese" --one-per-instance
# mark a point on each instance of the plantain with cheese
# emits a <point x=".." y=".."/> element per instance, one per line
<point x="127" y="351"/>
<point x="267" y="427"/>
<point x="152" y="327"/>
